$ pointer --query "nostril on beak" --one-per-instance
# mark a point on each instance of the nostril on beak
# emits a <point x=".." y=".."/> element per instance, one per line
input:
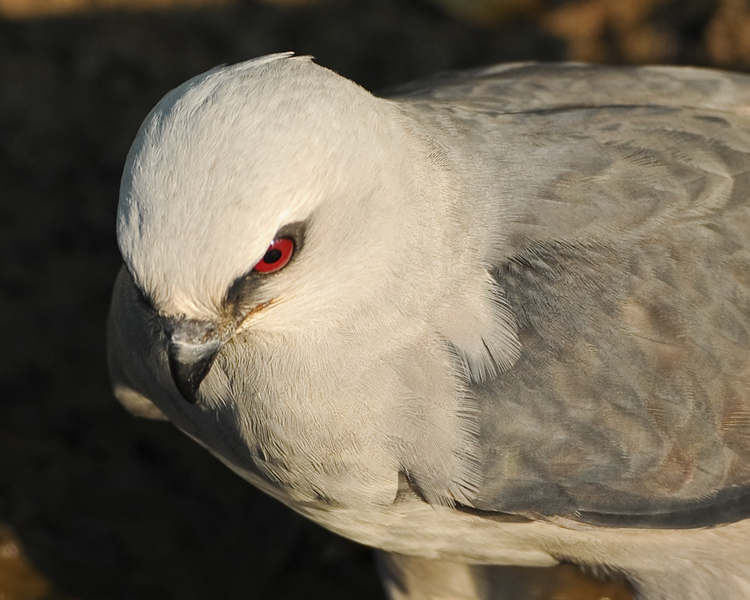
<point x="191" y="348"/>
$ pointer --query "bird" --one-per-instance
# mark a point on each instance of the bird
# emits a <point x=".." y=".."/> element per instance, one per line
<point x="497" y="316"/>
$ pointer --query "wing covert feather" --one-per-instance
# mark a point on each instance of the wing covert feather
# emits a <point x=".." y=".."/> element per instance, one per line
<point x="628" y="271"/>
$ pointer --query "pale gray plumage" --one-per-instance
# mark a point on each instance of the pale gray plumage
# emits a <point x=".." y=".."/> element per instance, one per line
<point x="514" y="329"/>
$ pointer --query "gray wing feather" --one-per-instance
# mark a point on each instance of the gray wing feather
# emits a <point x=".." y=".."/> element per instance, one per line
<point x="531" y="87"/>
<point x="628" y="271"/>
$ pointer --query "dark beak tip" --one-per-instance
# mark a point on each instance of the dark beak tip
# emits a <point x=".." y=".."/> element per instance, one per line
<point x="189" y="373"/>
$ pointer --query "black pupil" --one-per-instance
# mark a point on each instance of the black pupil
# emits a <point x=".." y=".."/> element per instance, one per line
<point x="272" y="256"/>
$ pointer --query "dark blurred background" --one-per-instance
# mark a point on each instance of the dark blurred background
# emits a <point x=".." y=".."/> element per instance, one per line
<point x="95" y="503"/>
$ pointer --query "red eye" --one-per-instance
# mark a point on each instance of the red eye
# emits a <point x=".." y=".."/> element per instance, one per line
<point x="276" y="257"/>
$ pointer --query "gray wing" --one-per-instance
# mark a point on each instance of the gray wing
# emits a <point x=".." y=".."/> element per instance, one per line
<point x="528" y="87"/>
<point x="628" y="272"/>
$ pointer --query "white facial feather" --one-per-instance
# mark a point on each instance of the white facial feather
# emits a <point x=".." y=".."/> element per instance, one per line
<point x="226" y="159"/>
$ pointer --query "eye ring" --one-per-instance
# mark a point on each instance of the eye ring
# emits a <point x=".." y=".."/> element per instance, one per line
<point x="277" y="256"/>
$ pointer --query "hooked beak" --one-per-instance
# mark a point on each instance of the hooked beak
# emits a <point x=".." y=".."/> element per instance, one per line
<point x="192" y="349"/>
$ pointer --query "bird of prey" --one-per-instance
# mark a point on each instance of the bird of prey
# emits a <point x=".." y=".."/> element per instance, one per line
<point x="496" y="317"/>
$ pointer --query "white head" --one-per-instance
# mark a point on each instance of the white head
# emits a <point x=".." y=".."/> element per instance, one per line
<point x="230" y="157"/>
<point x="351" y="348"/>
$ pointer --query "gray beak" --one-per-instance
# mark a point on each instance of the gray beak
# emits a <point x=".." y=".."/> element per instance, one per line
<point x="192" y="349"/>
